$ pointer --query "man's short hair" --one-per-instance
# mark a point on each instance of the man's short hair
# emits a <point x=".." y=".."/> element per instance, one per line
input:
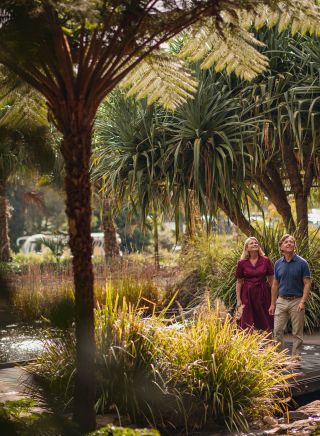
<point x="284" y="237"/>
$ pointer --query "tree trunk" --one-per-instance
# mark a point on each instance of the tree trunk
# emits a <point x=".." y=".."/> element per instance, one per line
<point x="300" y="192"/>
<point x="156" y="241"/>
<point x="237" y="217"/>
<point x="76" y="150"/>
<point x="270" y="182"/>
<point x="302" y="215"/>
<point x="4" y="230"/>
<point x="111" y="246"/>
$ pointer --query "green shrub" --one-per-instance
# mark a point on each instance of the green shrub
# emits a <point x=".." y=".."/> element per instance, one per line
<point x="111" y="430"/>
<point x="177" y="378"/>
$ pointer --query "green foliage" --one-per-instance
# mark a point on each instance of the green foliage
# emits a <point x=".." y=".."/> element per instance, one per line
<point x="112" y="430"/>
<point x="133" y="236"/>
<point x="137" y="292"/>
<point x="178" y="377"/>
<point x="52" y="304"/>
<point x="216" y="267"/>
<point x="56" y="246"/>
<point x="17" y="418"/>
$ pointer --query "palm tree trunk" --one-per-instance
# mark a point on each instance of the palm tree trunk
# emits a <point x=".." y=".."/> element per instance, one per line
<point x="270" y="182"/>
<point x="4" y="230"/>
<point x="236" y="216"/>
<point x="76" y="150"/>
<point x="156" y="241"/>
<point x="302" y="215"/>
<point x="111" y="246"/>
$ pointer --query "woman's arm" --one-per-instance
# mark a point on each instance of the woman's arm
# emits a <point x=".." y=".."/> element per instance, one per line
<point x="238" y="291"/>
<point x="270" y="280"/>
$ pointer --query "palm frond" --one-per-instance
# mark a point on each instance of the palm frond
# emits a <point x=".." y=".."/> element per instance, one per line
<point x="161" y="78"/>
<point x="21" y="106"/>
<point x="233" y="47"/>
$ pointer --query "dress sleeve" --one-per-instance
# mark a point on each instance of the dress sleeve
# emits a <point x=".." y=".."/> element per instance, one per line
<point x="239" y="270"/>
<point x="270" y="269"/>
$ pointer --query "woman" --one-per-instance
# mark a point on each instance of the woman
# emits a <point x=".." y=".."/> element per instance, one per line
<point x="254" y="279"/>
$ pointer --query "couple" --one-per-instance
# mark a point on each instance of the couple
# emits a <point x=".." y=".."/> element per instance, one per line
<point x="290" y="282"/>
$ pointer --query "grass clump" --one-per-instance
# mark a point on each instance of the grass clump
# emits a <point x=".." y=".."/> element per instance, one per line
<point x="180" y="377"/>
<point x="48" y="294"/>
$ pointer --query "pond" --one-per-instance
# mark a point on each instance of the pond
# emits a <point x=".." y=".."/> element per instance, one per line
<point x="20" y="342"/>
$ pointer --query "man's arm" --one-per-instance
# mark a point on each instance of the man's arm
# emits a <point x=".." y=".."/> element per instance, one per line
<point x="274" y="296"/>
<point x="306" y="292"/>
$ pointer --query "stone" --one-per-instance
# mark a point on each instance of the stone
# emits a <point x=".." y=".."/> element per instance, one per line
<point x="296" y="415"/>
<point x="274" y="430"/>
<point x="311" y="409"/>
<point x="270" y="420"/>
<point x="301" y="427"/>
<point x="103" y="420"/>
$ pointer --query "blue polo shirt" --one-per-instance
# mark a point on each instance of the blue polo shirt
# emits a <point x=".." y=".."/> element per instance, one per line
<point x="290" y="275"/>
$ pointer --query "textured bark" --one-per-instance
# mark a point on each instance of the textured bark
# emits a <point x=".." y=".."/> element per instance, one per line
<point x="271" y="184"/>
<point x="299" y="186"/>
<point x="111" y="246"/>
<point x="156" y="241"/>
<point x="76" y="150"/>
<point x="237" y="217"/>
<point x="4" y="229"/>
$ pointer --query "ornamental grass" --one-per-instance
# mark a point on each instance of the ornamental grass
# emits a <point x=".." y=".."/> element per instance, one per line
<point x="177" y="377"/>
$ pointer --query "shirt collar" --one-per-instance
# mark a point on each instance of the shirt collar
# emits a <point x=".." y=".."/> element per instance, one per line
<point x="292" y="260"/>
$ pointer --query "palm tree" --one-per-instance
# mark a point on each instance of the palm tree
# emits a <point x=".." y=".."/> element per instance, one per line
<point x="286" y="145"/>
<point x="204" y="156"/>
<point x="161" y="160"/>
<point x="74" y="53"/>
<point x="127" y="156"/>
<point x="25" y="143"/>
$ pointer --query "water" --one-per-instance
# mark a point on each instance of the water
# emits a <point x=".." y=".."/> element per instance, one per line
<point x="19" y="342"/>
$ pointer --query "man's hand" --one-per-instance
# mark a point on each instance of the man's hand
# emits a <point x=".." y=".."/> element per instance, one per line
<point x="301" y="306"/>
<point x="272" y="309"/>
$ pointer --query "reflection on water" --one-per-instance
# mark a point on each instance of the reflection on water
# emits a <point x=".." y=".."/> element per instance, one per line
<point x="21" y="342"/>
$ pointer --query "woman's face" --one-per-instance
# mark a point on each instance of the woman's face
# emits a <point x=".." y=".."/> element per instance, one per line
<point x="252" y="245"/>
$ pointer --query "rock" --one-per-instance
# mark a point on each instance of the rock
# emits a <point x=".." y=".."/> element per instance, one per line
<point x="301" y="427"/>
<point x="270" y="421"/>
<point x="295" y="415"/>
<point x="103" y="420"/>
<point x="274" y="430"/>
<point x="257" y="424"/>
<point x="311" y="409"/>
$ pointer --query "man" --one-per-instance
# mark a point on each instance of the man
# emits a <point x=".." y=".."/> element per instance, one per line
<point x="289" y="293"/>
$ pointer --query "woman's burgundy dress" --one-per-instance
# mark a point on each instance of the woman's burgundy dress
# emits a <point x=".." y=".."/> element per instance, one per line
<point x="255" y="293"/>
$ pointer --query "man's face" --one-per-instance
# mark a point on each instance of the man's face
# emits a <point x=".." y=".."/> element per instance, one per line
<point x="288" y="245"/>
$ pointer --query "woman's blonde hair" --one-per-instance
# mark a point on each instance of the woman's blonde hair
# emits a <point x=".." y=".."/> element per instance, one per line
<point x="245" y="252"/>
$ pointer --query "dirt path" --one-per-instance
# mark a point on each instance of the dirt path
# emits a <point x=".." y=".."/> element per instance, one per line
<point x="11" y="384"/>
